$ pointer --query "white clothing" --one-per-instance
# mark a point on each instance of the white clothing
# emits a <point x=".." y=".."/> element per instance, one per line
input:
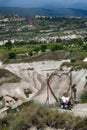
<point x="65" y="99"/>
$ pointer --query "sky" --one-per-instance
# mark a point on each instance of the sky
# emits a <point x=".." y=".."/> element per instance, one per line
<point x="45" y="3"/>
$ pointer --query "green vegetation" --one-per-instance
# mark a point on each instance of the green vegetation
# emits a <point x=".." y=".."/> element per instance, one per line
<point x="12" y="55"/>
<point x="43" y="47"/>
<point x="76" y="65"/>
<point x="28" y="51"/>
<point x="16" y="27"/>
<point x="84" y="97"/>
<point x="41" y="116"/>
<point x="34" y="38"/>
<point x="8" y="45"/>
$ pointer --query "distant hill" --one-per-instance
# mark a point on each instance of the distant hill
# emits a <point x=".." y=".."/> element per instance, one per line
<point x="62" y="12"/>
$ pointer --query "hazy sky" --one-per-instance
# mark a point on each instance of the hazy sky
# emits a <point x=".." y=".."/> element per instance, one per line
<point x="45" y="3"/>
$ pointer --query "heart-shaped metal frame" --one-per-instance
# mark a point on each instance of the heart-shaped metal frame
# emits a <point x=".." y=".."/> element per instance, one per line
<point x="69" y="74"/>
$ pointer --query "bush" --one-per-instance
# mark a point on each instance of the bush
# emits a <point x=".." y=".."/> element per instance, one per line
<point x="81" y="125"/>
<point x="31" y="114"/>
<point x="73" y="60"/>
<point x="43" y="48"/>
<point x="12" y="55"/>
<point x="8" y="45"/>
<point x="30" y="53"/>
<point x="55" y="47"/>
<point x="36" y="48"/>
<point x="84" y="97"/>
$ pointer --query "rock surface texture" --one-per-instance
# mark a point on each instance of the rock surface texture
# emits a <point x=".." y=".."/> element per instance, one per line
<point x="31" y="82"/>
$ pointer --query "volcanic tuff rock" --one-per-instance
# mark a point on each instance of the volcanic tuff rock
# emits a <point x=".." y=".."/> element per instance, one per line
<point x="31" y="81"/>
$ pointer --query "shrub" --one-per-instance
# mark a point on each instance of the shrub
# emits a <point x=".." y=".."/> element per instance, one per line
<point x="31" y="114"/>
<point x="30" y="53"/>
<point x="36" y="48"/>
<point x="84" y="97"/>
<point x="12" y="55"/>
<point x="8" y="45"/>
<point x="43" y="48"/>
<point x="73" y="60"/>
<point x="81" y="125"/>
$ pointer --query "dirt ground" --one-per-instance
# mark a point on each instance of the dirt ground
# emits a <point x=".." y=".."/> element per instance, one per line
<point x="80" y="110"/>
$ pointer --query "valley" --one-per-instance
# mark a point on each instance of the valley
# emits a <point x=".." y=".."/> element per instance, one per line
<point x="32" y="48"/>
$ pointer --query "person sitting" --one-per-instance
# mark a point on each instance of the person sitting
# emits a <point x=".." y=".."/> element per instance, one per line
<point x="66" y="101"/>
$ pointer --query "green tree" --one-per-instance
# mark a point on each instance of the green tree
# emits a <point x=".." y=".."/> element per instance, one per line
<point x="8" y="45"/>
<point x="85" y="48"/>
<point x="30" y="53"/>
<point x="37" y="48"/>
<point x="56" y="47"/>
<point x="12" y="55"/>
<point x="43" y="48"/>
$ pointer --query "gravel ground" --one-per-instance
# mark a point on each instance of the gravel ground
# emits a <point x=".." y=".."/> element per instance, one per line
<point x="80" y="110"/>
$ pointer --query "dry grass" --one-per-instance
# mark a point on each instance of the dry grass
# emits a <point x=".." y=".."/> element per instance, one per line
<point x="6" y="76"/>
<point x="77" y="65"/>
<point x="33" y="114"/>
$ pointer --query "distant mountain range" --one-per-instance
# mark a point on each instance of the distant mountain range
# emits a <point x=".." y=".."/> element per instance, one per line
<point x="61" y="12"/>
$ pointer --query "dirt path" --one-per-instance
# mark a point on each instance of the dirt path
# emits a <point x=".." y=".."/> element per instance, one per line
<point x="80" y="110"/>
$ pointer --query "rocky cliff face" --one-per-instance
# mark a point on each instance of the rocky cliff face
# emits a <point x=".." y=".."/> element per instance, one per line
<point x="61" y="85"/>
<point x="26" y="81"/>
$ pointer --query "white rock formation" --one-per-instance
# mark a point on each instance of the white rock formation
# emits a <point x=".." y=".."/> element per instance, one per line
<point x="34" y="77"/>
